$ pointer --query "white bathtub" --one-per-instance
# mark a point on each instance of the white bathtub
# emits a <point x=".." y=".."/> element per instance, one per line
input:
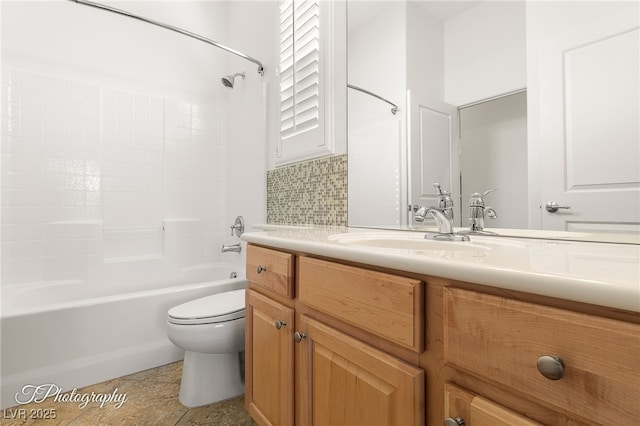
<point x="73" y="334"/>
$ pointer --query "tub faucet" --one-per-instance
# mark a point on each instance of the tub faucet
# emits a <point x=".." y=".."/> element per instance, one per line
<point x="232" y="247"/>
<point x="477" y="211"/>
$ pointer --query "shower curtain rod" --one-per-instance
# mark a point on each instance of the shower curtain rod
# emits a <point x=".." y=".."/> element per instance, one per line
<point x="172" y="28"/>
<point x="394" y="108"/>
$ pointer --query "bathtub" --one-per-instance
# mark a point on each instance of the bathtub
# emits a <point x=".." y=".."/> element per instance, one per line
<point x="73" y="334"/>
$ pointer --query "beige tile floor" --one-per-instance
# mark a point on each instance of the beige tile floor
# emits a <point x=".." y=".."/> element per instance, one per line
<point x="151" y="399"/>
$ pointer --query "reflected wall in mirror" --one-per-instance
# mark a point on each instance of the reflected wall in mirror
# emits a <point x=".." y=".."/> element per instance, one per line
<point x="493" y="154"/>
<point x="538" y="99"/>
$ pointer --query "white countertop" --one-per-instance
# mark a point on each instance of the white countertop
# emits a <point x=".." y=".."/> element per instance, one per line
<point x="597" y="273"/>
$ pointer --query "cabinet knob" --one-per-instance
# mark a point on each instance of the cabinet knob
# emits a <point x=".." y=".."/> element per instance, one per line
<point x="551" y="367"/>
<point x="297" y="336"/>
<point x="279" y="324"/>
<point x="458" y="421"/>
<point x="261" y="268"/>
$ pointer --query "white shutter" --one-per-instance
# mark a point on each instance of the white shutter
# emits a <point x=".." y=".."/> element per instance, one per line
<point x="308" y="70"/>
<point x="305" y="62"/>
<point x="299" y="66"/>
<point x="286" y="68"/>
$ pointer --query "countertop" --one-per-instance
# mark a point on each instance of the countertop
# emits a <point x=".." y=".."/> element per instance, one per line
<point x="602" y="274"/>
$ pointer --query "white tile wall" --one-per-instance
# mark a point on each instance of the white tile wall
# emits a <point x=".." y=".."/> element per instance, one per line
<point x="95" y="175"/>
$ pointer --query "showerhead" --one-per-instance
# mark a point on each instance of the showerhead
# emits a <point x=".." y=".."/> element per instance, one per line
<point x="228" y="80"/>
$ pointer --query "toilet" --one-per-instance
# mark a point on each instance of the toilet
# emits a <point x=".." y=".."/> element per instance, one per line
<point x="211" y="332"/>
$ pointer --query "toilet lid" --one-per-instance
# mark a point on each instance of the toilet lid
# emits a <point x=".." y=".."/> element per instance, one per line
<point x="219" y="307"/>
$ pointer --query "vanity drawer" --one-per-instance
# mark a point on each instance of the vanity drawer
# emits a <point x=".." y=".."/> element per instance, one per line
<point x="271" y="269"/>
<point x="502" y="339"/>
<point x="386" y="305"/>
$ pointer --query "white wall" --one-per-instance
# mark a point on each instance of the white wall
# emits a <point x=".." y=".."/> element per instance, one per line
<point x="110" y="124"/>
<point x="485" y="52"/>
<point x="247" y="110"/>
<point x="425" y="52"/>
<point x="493" y="147"/>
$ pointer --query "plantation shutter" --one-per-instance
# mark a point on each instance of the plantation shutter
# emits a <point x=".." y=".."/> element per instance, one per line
<point x="299" y="67"/>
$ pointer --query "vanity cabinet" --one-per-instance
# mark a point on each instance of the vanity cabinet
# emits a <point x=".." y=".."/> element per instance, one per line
<point x="271" y="270"/>
<point x="580" y="365"/>
<point x="386" y="305"/>
<point x="461" y="405"/>
<point x="344" y="381"/>
<point x="268" y="361"/>
<point x="337" y="378"/>
<point x="331" y="342"/>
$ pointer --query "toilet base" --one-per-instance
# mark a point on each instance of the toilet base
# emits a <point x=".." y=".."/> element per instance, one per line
<point x="208" y="378"/>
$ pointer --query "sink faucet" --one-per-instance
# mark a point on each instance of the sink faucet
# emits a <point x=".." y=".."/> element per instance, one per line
<point x="477" y="211"/>
<point x="445" y="228"/>
<point x="444" y="225"/>
<point x="443" y="215"/>
<point x="444" y="205"/>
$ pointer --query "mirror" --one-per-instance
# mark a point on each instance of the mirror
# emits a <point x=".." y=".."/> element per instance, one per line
<point x="495" y="94"/>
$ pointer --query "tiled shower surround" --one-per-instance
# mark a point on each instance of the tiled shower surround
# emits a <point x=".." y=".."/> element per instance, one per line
<point x="312" y="192"/>
<point x="98" y="179"/>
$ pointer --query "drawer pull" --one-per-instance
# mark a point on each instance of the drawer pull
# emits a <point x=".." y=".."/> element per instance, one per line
<point x="551" y="367"/>
<point x="261" y="268"/>
<point x="297" y="336"/>
<point x="458" y="421"/>
<point x="279" y="324"/>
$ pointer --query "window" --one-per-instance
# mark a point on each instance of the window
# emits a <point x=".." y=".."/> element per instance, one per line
<point x="304" y="34"/>
<point x="299" y="66"/>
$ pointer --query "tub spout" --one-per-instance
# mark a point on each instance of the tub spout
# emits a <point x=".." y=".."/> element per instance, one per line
<point x="232" y="247"/>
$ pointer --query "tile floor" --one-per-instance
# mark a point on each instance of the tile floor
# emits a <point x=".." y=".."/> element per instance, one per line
<point x="151" y="399"/>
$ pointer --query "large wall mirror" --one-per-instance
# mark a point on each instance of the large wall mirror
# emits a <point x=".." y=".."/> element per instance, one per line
<point x="539" y="100"/>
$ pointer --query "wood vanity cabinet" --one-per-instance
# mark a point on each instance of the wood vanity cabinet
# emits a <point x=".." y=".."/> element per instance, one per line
<point x="380" y="347"/>
<point x="336" y="379"/>
<point x="461" y="405"/>
<point x="269" y="363"/>
<point x="343" y="381"/>
<point x="583" y="367"/>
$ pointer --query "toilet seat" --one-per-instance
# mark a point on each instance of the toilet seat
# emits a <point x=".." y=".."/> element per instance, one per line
<point x="217" y="308"/>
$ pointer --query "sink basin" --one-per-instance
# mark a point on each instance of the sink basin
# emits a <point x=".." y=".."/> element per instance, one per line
<point x="416" y="243"/>
<point x="413" y="244"/>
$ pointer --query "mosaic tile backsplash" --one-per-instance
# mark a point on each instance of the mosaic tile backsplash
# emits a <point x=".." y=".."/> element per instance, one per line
<point x="312" y="192"/>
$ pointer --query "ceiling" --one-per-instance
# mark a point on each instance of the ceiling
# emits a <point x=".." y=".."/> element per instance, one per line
<point x="360" y="11"/>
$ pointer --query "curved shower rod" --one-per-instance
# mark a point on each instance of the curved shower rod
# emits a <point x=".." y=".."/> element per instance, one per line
<point x="172" y="28"/>
<point x="394" y="107"/>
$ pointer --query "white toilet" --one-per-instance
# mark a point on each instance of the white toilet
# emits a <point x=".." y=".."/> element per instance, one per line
<point x="211" y="331"/>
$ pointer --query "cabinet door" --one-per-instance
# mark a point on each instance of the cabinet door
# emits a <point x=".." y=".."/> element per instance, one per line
<point x="478" y="411"/>
<point x="343" y="381"/>
<point x="269" y="361"/>
<point x="503" y="340"/>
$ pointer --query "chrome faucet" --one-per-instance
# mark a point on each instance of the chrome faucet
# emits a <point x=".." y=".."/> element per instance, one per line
<point x="443" y="215"/>
<point x="444" y="205"/>
<point x="232" y="247"/>
<point x="238" y="226"/>
<point x="445" y="228"/>
<point x="477" y="211"/>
